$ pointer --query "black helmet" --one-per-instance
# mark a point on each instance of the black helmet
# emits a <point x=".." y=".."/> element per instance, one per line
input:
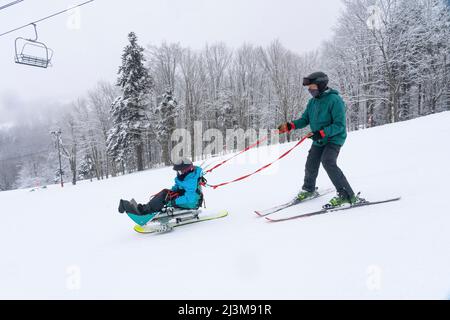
<point x="319" y="78"/>
<point x="182" y="165"/>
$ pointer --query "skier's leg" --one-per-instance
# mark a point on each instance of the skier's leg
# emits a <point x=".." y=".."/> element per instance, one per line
<point x="312" y="168"/>
<point x="156" y="203"/>
<point x="329" y="162"/>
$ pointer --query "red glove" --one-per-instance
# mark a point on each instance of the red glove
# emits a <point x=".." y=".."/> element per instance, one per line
<point x="286" y="127"/>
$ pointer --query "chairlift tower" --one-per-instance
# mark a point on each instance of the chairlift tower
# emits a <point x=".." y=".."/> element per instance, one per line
<point x="57" y="135"/>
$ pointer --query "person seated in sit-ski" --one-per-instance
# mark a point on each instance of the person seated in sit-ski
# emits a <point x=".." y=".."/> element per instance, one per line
<point x="185" y="194"/>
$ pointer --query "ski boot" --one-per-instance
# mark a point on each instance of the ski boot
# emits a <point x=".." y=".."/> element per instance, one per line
<point x="129" y="207"/>
<point x="305" y="195"/>
<point x="343" y="200"/>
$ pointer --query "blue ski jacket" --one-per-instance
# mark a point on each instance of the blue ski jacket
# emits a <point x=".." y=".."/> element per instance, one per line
<point x="192" y="189"/>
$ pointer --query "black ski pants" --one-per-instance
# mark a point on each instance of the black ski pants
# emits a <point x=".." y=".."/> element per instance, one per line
<point x="156" y="203"/>
<point x="327" y="155"/>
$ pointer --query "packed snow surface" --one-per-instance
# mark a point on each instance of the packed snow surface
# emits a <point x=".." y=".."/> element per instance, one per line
<point x="71" y="243"/>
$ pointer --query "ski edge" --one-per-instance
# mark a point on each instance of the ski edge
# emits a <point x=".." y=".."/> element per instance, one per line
<point x="325" y="211"/>
<point x="289" y="205"/>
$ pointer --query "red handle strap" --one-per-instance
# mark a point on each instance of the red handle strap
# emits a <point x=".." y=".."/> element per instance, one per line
<point x="257" y="143"/>
<point x="261" y="169"/>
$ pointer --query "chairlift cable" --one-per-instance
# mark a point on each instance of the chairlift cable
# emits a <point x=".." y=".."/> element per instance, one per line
<point x="10" y="4"/>
<point x="48" y="17"/>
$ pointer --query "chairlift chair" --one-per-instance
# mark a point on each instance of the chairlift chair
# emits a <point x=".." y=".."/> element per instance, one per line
<point x="33" y="53"/>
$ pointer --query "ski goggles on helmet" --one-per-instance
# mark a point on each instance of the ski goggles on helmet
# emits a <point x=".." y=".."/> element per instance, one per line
<point x="183" y="171"/>
<point x="321" y="79"/>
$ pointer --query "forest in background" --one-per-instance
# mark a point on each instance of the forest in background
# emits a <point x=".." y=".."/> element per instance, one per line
<point x="389" y="62"/>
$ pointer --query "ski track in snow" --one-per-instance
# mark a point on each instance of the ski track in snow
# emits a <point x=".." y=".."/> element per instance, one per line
<point x="72" y="243"/>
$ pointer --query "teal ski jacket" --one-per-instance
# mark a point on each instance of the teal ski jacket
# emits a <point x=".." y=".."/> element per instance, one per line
<point x="325" y="113"/>
<point x="191" y="187"/>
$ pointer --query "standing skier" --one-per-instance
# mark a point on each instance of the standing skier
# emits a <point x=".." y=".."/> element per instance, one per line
<point x="325" y="114"/>
<point x="185" y="194"/>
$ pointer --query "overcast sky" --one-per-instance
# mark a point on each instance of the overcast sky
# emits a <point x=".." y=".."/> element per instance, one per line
<point x="85" y="55"/>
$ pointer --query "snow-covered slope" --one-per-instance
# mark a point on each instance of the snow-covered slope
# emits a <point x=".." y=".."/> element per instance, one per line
<point x="72" y="243"/>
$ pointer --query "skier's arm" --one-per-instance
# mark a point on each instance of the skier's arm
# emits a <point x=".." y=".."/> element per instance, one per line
<point x="189" y="197"/>
<point x="303" y="121"/>
<point x="338" y="125"/>
<point x="175" y="187"/>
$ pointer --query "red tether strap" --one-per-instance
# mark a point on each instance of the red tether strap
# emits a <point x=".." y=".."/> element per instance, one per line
<point x="257" y="143"/>
<point x="259" y="170"/>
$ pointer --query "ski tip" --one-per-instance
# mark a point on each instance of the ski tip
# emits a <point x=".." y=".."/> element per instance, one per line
<point x="223" y="213"/>
<point x="139" y="229"/>
<point x="258" y="214"/>
<point x="269" y="219"/>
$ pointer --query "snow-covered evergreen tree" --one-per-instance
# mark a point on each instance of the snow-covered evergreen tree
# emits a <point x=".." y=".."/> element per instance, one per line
<point x="166" y="114"/>
<point x="125" y="139"/>
<point x="86" y="168"/>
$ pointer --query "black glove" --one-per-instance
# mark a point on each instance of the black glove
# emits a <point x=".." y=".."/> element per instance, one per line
<point x="318" y="135"/>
